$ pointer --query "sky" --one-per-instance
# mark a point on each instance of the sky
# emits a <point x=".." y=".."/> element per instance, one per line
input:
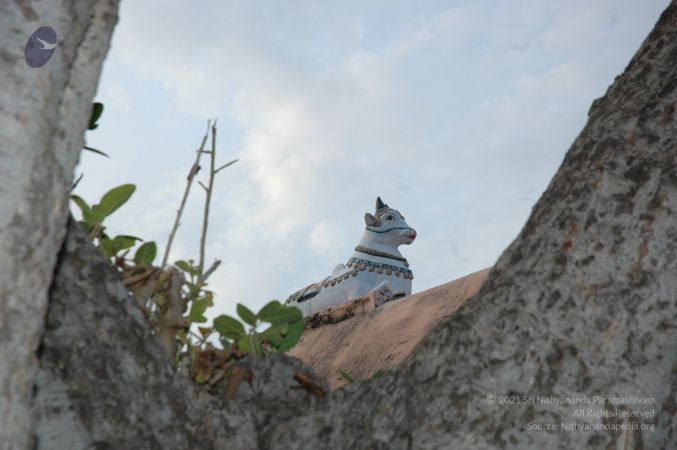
<point x="456" y="113"/>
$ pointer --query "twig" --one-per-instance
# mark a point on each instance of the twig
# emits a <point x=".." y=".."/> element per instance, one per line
<point x="208" y="272"/>
<point x="195" y="168"/>
<point x="138" y="277"/>
<point x="170" y="314"/>
<point x="95" y="233"/>
<point x="202" y="185"/>
<point x="226" y="165"/>
<point x="201" y="339"/>
<point x="208" y="199"/>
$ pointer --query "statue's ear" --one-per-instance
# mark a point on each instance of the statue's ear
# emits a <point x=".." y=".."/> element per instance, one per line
<point x="371" y="220"/>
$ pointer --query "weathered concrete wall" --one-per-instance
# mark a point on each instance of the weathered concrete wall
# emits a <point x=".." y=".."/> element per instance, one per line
<point x="43" y="115"/>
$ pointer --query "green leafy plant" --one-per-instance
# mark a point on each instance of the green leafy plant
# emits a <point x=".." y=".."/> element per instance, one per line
<point x="199" y="298"/>
<point x="285" y="326"/>
<point x="175" y="298"/>
<point x="92" y="223"/>
<point x="145" y="254"/>
<point x="378" y="374"/>
<point x="346" y="377"/>
<point x="97" y="110"/>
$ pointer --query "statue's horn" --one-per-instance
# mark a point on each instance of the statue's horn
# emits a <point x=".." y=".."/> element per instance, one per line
<point x="380" y="204"/>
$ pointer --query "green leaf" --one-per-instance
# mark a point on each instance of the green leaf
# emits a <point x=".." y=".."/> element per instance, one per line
<point x="98" y="214"/>
<point x="269" y="309"/>
<point x="183" y="265"/>
<point x="123" y="241"/>
<point x="115" y="198"/>
<point x="274" y="312"/>
<point x="145" y="254"/>
<point x="198" y="308"/>
<point x="274" y="334"/>
<point x="127" y="236"/>
<point x="87" y="228"/>
<point x="107" y="247"/>
<point x="378" y="374"/>
<point x="346" y="377"/>
<point x="246" y="314"/>
<point x="243" y="345"/>
<point x="250" y="343"/>
<point x="94" y="150"/>
<point x="294" y="332"/>
<point x="193" y="290"/>
<point x="97" y="110"/>
<point x="84" y="208"/>
<point x="188" y="268"/>
<point x="229" y="327"/>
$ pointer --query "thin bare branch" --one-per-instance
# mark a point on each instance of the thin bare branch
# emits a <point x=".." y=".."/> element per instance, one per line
<point x="194" y="169"/>
<point x="138" y="277"/>
<point x="208" y="199"/>
<point x="170" y="314"/>
<point x="203" y="186"/>
<point x="226" y="165"/>
<point x="208" y="272"/>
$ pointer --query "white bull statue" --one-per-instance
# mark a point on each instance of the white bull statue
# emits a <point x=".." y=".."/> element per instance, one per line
<point x="376" y="266"/>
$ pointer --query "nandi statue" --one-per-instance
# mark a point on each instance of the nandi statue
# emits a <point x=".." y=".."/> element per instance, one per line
<point x="376" y="266"/>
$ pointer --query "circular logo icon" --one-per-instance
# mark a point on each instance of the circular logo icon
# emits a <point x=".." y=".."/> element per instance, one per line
<point x="40" y="46"/>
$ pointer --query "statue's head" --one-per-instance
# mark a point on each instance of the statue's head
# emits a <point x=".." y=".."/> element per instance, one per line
<point x="387" y="226"/>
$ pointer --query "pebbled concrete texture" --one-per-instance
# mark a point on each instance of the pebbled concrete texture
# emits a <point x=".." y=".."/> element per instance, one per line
<point x="582" y="304"/>
<point x="43" y="115"/>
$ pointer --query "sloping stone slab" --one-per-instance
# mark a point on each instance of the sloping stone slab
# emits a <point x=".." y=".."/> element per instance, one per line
<point x="363" y="336"/>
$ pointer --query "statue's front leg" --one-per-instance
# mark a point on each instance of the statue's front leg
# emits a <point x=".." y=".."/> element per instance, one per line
<point x="383" y="292"/>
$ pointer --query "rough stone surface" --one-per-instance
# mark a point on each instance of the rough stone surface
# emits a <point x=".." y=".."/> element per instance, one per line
<point x="104" y="380"/>
<point x="582" y="304"/>
<point x="103" y="377"/>
<point x="361" y="340"/>
<point x="43" y="114"/>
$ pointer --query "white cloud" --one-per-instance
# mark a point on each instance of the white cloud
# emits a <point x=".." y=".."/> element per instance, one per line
<point x="325" y="237"/>
<point x="454" y="115"/>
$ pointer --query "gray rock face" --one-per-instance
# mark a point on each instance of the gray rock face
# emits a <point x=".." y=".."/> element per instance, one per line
<point x="43" y="115"/>
<point x="582" y="305"/>
<point x="104" y="380"/>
